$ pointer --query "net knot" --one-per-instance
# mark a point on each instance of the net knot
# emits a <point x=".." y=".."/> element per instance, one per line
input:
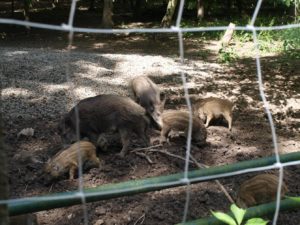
<point x="278" y="165"/>
<point x="185" y="181"/>
<point x="250" y="27"/>
<point x="66" y="26"/>
<point x="175" y="28"/>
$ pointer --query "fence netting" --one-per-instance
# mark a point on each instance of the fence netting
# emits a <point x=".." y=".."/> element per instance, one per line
<point x="71" y="29"/>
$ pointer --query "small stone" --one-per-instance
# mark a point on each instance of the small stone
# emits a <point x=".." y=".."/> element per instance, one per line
<point x="99" y="222"/>
<point x="100" y="210"/>
<point x="70" y="216"/>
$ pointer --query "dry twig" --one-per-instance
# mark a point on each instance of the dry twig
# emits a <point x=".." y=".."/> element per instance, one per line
<point x="193" y="160"/>
<point x="200" y="165"/>
<point x="142" y="218"/>
<point x="146" y="148"/>
<point x="145" y="156"/>
<point x="50" y="189"/>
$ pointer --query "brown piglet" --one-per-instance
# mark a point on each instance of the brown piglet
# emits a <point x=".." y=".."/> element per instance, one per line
<point x="259" y="189"/>
<point x="67" y="160"/>
<point x="179" y="121"/>
<point x="148" y="95"/>
<point x="213" y="108"/>
<point x="106" y="113"/>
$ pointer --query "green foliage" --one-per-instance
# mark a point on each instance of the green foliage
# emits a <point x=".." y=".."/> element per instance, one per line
<point x="243" y="36"/>
<point x="227" y="55"/>
<point x="294" y="198"/>
<point x="256" y="221"/>
<point x="238" y="214"/>
<point x="291" y="42"/>
<point x="287" y="3"/>
<point x="191" y="5"/>
<point x="224" y="218"/>
<point x="285" y="41"/>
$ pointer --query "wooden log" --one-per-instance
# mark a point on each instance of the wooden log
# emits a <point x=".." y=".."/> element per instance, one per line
<point x="228" y="35"/>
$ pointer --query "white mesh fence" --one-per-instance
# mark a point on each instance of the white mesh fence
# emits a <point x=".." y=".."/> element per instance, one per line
<point x="80" y="194"/>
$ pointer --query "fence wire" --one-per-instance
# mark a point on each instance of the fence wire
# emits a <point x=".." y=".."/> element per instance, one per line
<point x="179" y="30"/>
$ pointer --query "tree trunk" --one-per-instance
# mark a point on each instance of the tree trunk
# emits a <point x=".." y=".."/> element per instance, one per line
<point x="107" y="21"/>
<point x="297" y="10"/>
<point x="3" y="178"/>
<point x="228" y="35"/>
<point x="54" y="3"/>
<point x="200" y="9"/>
<point x="26" y="12"/>
<point x="167" y="19"/>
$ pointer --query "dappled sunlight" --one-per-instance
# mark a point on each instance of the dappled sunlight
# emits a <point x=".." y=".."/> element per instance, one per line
<point x="16" y="92"/>
<point x="293" y="103"/>
<point x="14" y="53"/>
<point x="84" y="92"/>
<point x="99" y="45"/>
<point x="288" y="145"/>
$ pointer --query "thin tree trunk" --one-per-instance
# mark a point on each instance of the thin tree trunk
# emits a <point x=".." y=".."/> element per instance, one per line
<point x="167" y="19"/>
<point x="107" y="21"/>
<point x="3" y="177"/>
<point x="200" y="9"/>
<point x="297" y="10"/>
<point x="26" y="11"/>
<point x="54" y="3"/>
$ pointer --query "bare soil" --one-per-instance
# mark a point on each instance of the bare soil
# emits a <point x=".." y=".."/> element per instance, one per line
<point x="36" y="92"/>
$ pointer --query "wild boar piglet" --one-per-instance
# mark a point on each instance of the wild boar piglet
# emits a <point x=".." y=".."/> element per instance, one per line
<point x="179" y="121"/>
<point x="67" y="160"/>
<point x="213" y="108"/>
<point x="148" y="95"/>
<point x="106" y="113"/>
<point x="259" y="189"/>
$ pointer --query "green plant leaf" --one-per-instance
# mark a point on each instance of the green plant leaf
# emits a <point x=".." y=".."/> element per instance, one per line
<point x="238" y="213"/>
<point x="224" y="218"/>
<point x="294" y="198"/>
<point x="256" y="221"/>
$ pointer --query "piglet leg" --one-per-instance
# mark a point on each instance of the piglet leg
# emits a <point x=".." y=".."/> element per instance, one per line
<point x="125" y="138"/>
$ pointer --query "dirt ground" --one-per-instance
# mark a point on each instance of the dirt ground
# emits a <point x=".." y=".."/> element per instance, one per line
<point x="36" y="93"/>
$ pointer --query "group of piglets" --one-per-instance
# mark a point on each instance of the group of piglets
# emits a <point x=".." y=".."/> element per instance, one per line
<point x="109" y="113"/>
<point x="97" y="117"/>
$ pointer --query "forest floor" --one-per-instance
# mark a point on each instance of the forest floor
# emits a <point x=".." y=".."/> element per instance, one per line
<point x="36" y="77"/>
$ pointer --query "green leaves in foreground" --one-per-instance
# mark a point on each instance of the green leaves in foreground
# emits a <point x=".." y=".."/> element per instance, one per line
<point x="238" y="217"/>
<point x="224" y="218"/>
<point x="238" y="213"/>
<point x="294" y="198"/>
<point x="256" y="221"/>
